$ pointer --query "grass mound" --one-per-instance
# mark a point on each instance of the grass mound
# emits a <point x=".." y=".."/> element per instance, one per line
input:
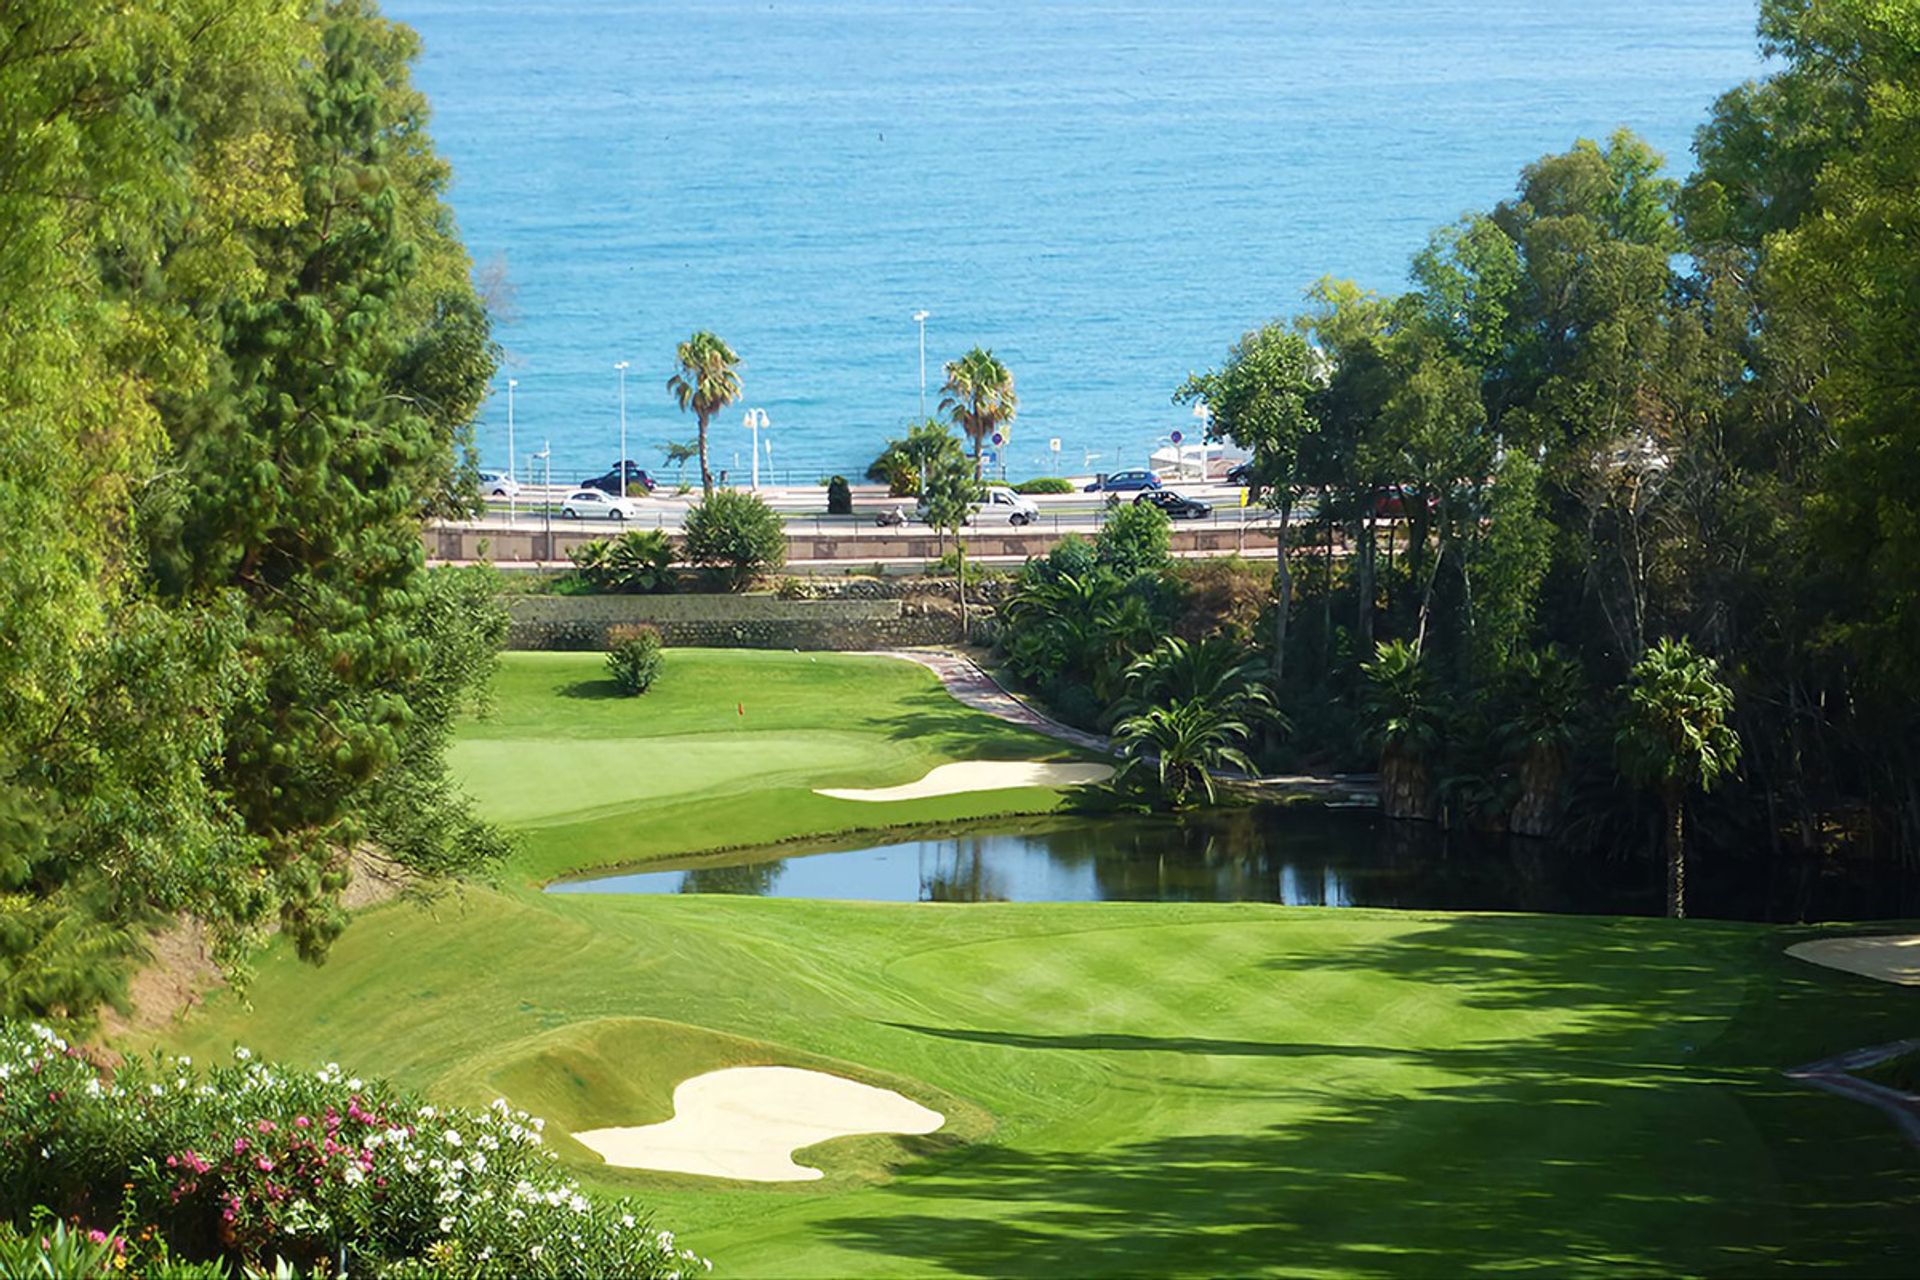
<point x="609" y="1072"/>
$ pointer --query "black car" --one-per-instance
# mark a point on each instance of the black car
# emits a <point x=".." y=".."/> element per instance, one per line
<point x="1177" y="505"/>
<point x="638" y="481"/>
<point x="1241" y="473"/>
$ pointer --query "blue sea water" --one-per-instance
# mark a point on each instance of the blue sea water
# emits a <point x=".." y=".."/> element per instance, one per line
<point x="1105" y="192"/>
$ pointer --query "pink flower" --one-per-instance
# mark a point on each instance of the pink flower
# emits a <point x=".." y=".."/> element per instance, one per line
<point x="96" y="1235"/>
<point x="301" y="1121"/>
<point x="265" y="1126"/>
<point x="239" y="1146"/>
<point x="263" y="1164"/>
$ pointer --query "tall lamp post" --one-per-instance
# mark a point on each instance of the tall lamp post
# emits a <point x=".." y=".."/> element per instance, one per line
<point x="756" y="421"/>
<point x="920" y="318"/>
<point x="513" y="485"/>
<point x="622" y="368"/>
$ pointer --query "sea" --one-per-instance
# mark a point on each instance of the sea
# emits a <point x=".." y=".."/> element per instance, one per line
<point x="1105" y="193"/>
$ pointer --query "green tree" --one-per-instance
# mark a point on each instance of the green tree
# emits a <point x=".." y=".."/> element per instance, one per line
<point x="1184" y="743"/>
<point x="1135" y="538"/>
<point x="1675" y="737"/>
<point x="679" y="453"/>
<point x="1259" y="400"/>
<point x="736" y="532"/>
<point x="979" y="398"/>
<point x="708" y="381"/>
<point x="904" y="463"/>
<point x="1541" y="696"/>
<point x="1215" y="671"/>
<point x="1403" y="715"/>
<point x="947" y="502"/>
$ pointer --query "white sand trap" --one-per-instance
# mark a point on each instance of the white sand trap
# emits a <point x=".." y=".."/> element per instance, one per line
<point x="1893" y="958"/>
<point x="978" y="775"/>
<point x="746" y="1122"/>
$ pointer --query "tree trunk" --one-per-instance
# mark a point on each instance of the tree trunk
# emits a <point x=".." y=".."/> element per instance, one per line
<point x="706" y="472"/>
<point x="1326" y="597"/>
<point x="1286" y="592"/>
<point x="979" y="442"/>
<point x="1365" y="622"/>
<point x="1406" y="786"/>
<point x="1676" y="855"/>
<point x="960" y="557"/>
<point x="1541" y="771"/>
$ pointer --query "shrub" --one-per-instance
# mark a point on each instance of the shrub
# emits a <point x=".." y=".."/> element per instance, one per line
<point x="902" y="463"/>
<point x="633" y="657"/>
<point x="797" y="589"/>
<point x="737" y="533"/>
<point x="839" y="497"/>
<point x="250" y="1163"/>
<point x="1227" y="596"/>
<point x="639" y="561"/>
<point x="1135" y="538"/>
<point x="1044" y="484"/>
<point x="1071" y="557"/>
<point x="948" y="566"/>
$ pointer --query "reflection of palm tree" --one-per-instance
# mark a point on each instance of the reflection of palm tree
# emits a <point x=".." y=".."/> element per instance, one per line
<point x="753" y="879"/>
<point x="966" y="879"/>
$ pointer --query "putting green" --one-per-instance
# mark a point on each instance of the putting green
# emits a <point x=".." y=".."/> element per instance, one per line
<point x="1158" y="1089"/>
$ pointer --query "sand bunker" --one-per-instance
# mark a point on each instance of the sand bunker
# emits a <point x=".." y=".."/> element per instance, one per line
<point x="979" y="775"/>
<point x="1894" y="958"/>
<point x="746" y="1122"/>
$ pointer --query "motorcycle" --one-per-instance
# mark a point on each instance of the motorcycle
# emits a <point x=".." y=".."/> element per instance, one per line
<point x="891" y="517"/>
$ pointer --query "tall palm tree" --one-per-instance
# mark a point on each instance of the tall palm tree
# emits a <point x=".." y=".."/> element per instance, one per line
<point x="706" y="384"/>
<point x="979" y="398"/>
<point x="1185" y="742"/>
<point x="1675" y="738"/>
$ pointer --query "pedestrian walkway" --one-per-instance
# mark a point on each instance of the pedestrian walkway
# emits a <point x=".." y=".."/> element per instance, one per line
<point x="970" y="685"/>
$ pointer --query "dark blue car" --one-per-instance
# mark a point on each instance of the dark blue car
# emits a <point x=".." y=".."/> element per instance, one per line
<point x="1125" y="482"/>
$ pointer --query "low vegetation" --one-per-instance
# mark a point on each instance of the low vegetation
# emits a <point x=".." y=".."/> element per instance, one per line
<point x="634" y="657"/>
<point x="736" y="533"/>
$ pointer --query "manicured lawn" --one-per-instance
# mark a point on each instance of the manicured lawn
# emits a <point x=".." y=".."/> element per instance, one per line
<point x="1134" y="1088"/>
<point x="725" y="750"/>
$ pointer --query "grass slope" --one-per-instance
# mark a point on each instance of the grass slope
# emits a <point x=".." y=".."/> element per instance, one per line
<point x="724" y="751"/>
<point x="1174" y="1090"/>
<point x="1136" y="1088"/>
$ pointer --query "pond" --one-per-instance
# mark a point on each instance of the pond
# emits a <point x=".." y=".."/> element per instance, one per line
<point x="1296" y="856"/>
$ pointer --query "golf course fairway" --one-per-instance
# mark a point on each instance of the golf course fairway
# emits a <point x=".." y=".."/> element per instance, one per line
<point x="1145" y="1089"/>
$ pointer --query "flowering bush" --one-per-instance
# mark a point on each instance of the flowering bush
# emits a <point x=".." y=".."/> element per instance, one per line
<point x="253" y="1163"/>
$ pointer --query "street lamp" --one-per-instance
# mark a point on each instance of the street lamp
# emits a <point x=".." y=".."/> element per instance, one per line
<point x="512" y="484"/>
<point x="1205" y="417"/>
<point x="546" y="455"/>
<point x="755" y="420"/>
<point x="622" y="367"/>
<point x="920" y="318"/>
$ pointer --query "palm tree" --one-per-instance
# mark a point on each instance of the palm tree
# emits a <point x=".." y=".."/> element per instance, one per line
<point x="1185" y="742"/>
<point x="679" y="454"/>
<point x="979" y="398"/>
<point x="1544" y="693"/>
<point x="1405" y="720"/>
<point x="1214" y="670"/>
<point x="1675" y="738"/>
<point x="706" y="384"/>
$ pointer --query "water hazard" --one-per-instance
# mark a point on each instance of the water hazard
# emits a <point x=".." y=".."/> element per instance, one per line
<point x="1290" y="856"/>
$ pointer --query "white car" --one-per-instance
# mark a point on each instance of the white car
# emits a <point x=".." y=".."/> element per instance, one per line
<point x="591" y="504"/>
<point x="494" y="484"/>
<point x="1004" y="506"/>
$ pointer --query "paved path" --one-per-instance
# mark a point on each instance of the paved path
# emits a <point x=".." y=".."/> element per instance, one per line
<point x="968" y="683"/>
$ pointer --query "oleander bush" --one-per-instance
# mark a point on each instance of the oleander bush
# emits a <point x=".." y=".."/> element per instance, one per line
<point x="1045" y="484"/>
<point x="737" y="533"/>
<point x="155" y="1166"/>
<point x="634" y="657"/>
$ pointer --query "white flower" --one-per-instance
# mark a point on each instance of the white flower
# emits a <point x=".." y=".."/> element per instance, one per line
<point x="354" y="1083"/>
<point x="477" y="1162"/>
<point x="626" y="1219"/>
<point x="185" y="1061"/>
<point x="446" y="1225"/>
<point x="578" y="1203"/>
<point x="453" y="1137"/>
<point x="536" y="1251"/>
<point x="241" y="1053"/>
<point x="354" y="1176"/>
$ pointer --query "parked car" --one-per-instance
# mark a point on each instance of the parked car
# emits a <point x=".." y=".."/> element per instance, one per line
<point x="592" y="504"/>
<point x="495" y="484"/>
<point x="1124" y="481"/>
<point x="1241" y="473"/>
<point x="638" y="481"/>
<point x="1001" y="506"/>
<point x="1178" y="506"/>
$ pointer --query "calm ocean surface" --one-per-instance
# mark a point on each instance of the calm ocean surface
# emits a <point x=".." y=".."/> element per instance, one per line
<point x="1105" y="193"/>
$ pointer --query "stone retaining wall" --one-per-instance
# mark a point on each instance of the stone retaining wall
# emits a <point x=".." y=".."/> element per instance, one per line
<point x="732" y="622"/>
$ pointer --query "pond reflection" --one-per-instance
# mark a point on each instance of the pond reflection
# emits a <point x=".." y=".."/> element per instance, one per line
<point x="1298" y="857"/>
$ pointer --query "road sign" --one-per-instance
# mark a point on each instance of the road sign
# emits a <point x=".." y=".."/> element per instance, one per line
<point x="1054" y="444"/>
<point x="998" y="439"/>
<point x="1177" y="437"/>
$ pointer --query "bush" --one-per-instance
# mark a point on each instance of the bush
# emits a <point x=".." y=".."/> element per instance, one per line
<point x="250" y="1163"/>
<point x="1135" y="538"/>
<point x="948" y="566"/>
<point x="1044" y="484"/>
<point x="633" y="657"/>
<point x="736" y="532"/>
<point x="637" y="562"/>
<point x="839" y="497"/>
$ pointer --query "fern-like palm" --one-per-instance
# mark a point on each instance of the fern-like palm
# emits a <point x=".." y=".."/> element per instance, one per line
<point x="1184" y="743"/>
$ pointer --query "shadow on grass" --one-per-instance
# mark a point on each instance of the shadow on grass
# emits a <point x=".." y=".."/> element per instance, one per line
<point x="591" y="690"/>
<point x="1649" y="1133"/>
<point x="933" y="715"/>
